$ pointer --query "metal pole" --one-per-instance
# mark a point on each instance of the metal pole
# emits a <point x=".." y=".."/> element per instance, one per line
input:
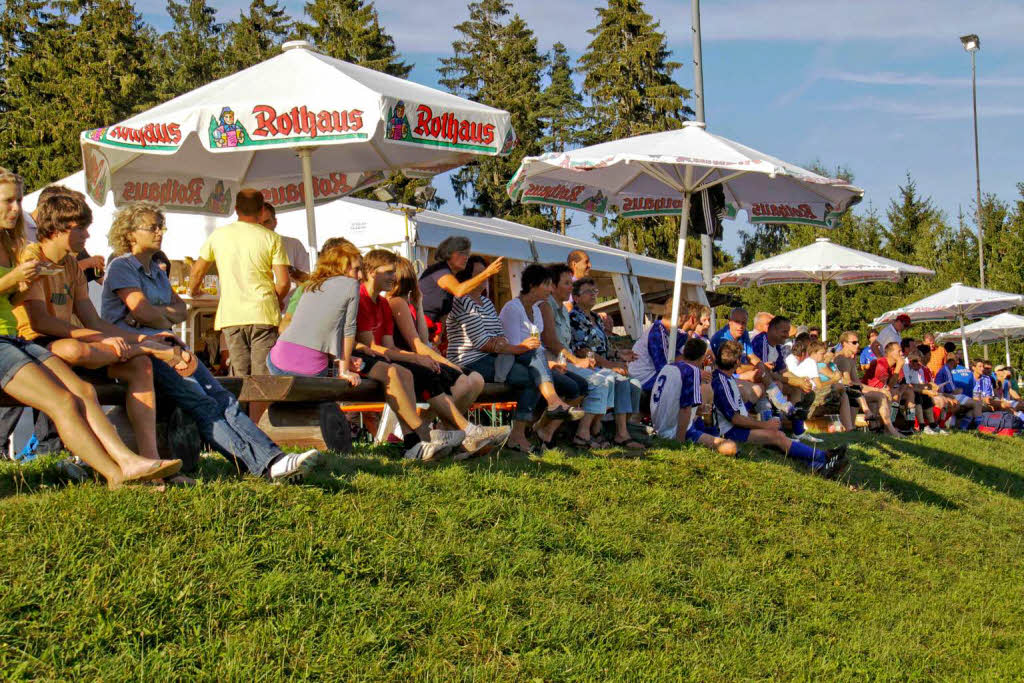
<point x="1006" y="341"/>
<point x="305" y="155"/>
<point x="706" y="241"/>
<point x="824" y="315"/>
<point x="963" y="341"/>
<point x="977" y="173"/>
<point x="677" y="286"/>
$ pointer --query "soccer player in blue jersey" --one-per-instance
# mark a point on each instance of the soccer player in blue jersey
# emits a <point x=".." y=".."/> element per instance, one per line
<point x="735" y="424"/>
<point x="676" y="397"/>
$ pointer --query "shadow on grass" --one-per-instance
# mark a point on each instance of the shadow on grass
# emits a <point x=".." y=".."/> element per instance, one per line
<point x="1010" y="483"/>
<point x="863" y="476"/>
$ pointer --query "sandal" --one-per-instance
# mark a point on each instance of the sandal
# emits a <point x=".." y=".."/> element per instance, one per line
<point x="580" y="442"/>
<point x="629" y="444"/>
<point x="178" y="356"/>
<point x="541" y="446"/>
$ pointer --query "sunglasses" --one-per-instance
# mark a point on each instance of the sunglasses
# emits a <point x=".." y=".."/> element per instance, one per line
<point x="152" y="228"/>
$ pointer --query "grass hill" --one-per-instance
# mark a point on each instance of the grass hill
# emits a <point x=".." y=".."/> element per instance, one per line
<point x="682" y="564"/>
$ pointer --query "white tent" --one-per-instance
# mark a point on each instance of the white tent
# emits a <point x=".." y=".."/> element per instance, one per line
<point x="821" y="262"/>
<point x="1002" y="327"/>
<point x="370" y="224"/>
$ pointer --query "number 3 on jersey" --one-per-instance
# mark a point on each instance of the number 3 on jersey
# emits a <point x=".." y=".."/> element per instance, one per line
<point x="656" y="395"/>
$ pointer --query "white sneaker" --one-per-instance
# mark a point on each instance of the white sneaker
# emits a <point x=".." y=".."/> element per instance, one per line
<point x="446" y="440"/>
<point x="294" y="465"/>
<point x="806" y="437"/>
<point x="929" y="431"/>
<point x="425" y="451"/>
<point x="478" y="438"/>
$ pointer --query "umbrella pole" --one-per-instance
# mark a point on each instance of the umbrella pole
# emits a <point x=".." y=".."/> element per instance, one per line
<point x="824" y="316"/>
<point x="963" y="341"/>
<point x="677" y="286"/>
<point x="305" y="154"/>
<point x="1006" y="341"/>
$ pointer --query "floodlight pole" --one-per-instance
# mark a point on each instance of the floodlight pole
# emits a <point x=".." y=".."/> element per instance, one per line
<point x="706" y="240"/>
<point x="977" y="171"/>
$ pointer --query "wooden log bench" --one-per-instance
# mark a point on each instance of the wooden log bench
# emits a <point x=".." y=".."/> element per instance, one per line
<point x="304" y="411"/>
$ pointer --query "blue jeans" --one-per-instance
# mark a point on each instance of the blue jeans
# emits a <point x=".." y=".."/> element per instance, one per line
<point x="626" y="392"/>
<point x="600" y="390"/>
<point x="220" y="418"/>
<point x="518" y="377"/>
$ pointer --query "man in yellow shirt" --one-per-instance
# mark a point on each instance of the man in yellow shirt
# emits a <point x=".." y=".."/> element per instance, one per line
<point x="253" y="269"/>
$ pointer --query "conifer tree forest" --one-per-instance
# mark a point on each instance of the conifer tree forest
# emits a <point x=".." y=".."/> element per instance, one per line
<point x="79" y="64"/>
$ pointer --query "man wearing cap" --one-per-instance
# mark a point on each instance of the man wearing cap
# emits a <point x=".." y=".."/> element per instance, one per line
<point x="1005" y="390"/>
<point x="891" y="333"/>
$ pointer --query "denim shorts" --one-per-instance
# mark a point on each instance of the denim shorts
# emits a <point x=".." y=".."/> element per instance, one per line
<point x="16" y="353"/>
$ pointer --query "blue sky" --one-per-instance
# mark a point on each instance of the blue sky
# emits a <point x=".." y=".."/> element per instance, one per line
<point x="879" y="86"/>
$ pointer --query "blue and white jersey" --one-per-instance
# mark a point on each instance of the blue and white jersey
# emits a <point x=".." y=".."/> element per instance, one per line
<point x="676" y="386"/>
<point x="963" y="379"/>
<point x="770" y="354"/>
<point x="944" y="380"/>
<point x="728" y="400"/>
<point x="723" y="335"/>
<point x="652" y="355"/>
<point x="984" y="387"/>
<point x="867" y="355"/>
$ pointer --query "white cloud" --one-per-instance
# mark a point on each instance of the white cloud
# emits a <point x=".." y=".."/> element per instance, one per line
<point x="923" y="110"/>
<point x="896" y="78"/>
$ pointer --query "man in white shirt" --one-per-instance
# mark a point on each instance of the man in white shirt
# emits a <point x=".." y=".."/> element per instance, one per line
<point x="298" y="255"/>
<point x="891" y="333"/>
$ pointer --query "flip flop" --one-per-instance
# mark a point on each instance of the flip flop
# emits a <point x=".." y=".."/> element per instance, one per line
<point x="163" y="469"/>
<point x="178" y="357"/>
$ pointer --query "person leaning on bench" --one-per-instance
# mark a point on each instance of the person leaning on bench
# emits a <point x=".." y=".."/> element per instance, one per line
<point x="37" y="378"/>
<point x="137" y="297"/>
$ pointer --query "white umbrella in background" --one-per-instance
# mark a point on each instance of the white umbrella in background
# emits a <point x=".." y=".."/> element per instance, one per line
<point x="956" y="303"/>
<point x="347" y="124"/>
<point x="821" y="262"/>
<point x="1005" y="326"/>
<point x="658" y="174"/>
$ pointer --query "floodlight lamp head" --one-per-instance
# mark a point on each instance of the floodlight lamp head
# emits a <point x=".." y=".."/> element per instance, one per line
<point x="424" y="193"/>
<point x="385" y="193"/>
<point x="971" y="42"/>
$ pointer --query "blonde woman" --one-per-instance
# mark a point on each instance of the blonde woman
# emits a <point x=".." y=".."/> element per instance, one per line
<point x="137" y="295"/>
<point x="34" y="376"/>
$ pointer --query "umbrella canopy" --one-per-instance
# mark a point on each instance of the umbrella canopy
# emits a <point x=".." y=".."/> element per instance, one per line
<point x="348" y="125"/>
<point x="1005" y="326"/>
<point x="956" y="303"/>
<point x="822" y="262"/>
<point x="658" y="174"/>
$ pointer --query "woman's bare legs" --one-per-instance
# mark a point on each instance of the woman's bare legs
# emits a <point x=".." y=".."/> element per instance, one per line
<point x="37" y="387"/>
<point x="397" y="383"/>
<point x="466" y="390"/>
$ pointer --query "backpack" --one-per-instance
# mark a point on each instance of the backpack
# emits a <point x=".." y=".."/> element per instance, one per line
<point x="1000" y="424"/>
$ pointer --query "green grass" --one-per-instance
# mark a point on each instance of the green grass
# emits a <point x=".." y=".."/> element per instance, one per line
<point x="682" y="564"/>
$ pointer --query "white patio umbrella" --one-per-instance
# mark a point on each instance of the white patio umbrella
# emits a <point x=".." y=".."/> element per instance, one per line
<point x="822" y="262"/>
<point x="658" y="174"/>
<point x="346" y="123"/>
<point x="1005" y="326"/>
<point x="956" y="303"/>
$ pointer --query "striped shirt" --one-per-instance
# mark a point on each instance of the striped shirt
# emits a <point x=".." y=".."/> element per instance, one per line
<point x="728" y="401"/>
<point x="470" y="326"/>
<point x="652" y="355"/>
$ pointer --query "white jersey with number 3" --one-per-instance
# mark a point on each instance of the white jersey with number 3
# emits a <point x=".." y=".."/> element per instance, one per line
<point x="677" y="386"/>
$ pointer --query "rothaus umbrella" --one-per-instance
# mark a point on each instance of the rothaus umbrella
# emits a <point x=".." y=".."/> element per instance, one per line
<point x="956" y="303"/>
<point x="347" y="124"/>
<point x="1005" y="326"/>
<point x="659" y="174"/>
<point x="822" y="262"/>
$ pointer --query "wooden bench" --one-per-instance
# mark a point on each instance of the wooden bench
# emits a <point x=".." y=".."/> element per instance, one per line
<point x="304" y="410"/>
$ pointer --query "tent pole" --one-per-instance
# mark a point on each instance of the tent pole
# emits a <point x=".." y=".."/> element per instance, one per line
<point x="1006" y="341"/>
<point x="677" y="286"/>
<point x="963" y="341"/>
<point x="824" y="316"/>
<point x="305" y="154"/>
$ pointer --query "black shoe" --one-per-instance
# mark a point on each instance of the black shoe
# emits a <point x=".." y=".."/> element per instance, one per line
<point x="836" y="463"/>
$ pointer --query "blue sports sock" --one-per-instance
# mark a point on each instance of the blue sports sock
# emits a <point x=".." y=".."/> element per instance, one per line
<point x="802" y="451"/>
<point x="798" y="427"/>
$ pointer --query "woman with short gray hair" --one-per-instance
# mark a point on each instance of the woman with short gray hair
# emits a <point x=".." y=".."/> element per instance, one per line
<point x="439" y="286"/>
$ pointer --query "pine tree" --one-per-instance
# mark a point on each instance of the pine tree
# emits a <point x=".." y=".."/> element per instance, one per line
<point x="83" y="65"/>
<point x="190" y="53"/>
<point x="627" y="76"/>
<point x="256" y="36"/>
<point x="562" y="111"/>
<point x="350" y="30"/>
<point x="496" y="62"/>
